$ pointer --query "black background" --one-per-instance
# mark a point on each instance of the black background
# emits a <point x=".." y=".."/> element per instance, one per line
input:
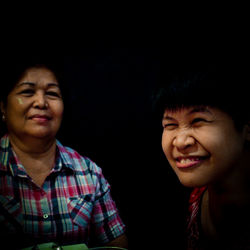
<point x="109" y="118"/>
<point x="112" y="74"/>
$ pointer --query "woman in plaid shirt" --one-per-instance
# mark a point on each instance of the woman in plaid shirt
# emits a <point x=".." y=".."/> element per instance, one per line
<point x="206" y="134"/>
<point x="48" y="192"/>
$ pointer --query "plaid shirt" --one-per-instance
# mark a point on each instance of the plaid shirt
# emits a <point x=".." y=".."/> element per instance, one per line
<point x="73" y="202"/>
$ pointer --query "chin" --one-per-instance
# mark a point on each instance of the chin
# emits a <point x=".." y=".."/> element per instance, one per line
<point x="41" y="131"/>
<point x="42" y="134"/>
<point x="46" y="136"/>
<point x="191" y="181"/>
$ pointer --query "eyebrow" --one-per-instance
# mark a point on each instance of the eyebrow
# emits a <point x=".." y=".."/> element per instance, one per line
<point x="200" y="110"/>
<point x="167" y="118"/>
<point x="32" y="84"/>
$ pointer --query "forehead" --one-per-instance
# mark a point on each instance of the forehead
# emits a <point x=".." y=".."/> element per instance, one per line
<point x="186" y="111"/>
<point x="38" y="73"/>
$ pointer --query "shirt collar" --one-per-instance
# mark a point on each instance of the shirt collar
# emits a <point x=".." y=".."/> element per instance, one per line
<point x="64" y="156"/>
<point x="4" y="153"/>
<point x="9" y="160"/>
<point x="61" y="162"/>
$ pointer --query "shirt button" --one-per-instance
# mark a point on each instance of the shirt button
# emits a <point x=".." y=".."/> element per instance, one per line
<point x="45" y="216"/>
<point x="80" y="200"/>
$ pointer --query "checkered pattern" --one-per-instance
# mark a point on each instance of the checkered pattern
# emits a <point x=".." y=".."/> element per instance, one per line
<point x="73" y="203"/>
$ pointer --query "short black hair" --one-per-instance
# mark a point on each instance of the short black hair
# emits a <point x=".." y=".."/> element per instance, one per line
<point x="222" y="86"/>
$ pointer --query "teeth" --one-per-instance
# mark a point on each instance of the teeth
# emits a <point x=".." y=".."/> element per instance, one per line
<point x="188" y="160"/>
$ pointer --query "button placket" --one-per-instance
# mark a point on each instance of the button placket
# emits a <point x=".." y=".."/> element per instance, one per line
<point x="45" y="208"/>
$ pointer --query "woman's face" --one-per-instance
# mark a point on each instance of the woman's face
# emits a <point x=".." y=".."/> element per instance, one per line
<point x="201" y="144"/>
<point x="34" y="106"/>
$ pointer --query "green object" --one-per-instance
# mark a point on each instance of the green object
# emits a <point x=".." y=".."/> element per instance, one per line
<point x="54" y="246"/>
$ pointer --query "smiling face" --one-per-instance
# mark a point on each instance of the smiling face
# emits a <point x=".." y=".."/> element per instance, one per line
<point x="34" y="107"/>
<point x="201" y="144"/>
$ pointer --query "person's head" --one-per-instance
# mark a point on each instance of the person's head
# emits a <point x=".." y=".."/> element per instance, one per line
<point x="31" y="98"/>
<point x="205" y="117"/>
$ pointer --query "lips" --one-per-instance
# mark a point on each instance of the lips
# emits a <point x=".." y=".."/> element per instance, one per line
<point x="189" y="161"/>
<point x="40" y="118"/>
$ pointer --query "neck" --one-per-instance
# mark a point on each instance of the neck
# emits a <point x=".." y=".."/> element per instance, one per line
<point x="35" y="147"/>
<point x="37" y="156"/>
<point x="226" y="203"/>
<point x="235" y="186"/>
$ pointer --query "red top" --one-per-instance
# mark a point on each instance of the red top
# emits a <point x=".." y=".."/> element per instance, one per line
<point x="194" y="225"/>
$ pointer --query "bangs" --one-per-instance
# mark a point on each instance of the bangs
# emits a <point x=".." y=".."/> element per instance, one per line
<point x="178" y="96"/>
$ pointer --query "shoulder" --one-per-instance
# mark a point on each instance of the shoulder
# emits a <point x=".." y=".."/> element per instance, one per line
<point x="4" y="142"/>
<point x="76" y="161"/>
<point x="4" y="152"/>
<point x="85" y="170"/>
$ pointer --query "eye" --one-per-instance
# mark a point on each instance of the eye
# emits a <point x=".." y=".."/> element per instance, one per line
<point x="53" y="93"/>
<point x="27" y="92"/>
<point x="199" y="121"/>
<point x="169" y="126"/>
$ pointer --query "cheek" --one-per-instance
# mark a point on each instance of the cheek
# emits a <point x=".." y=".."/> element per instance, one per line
<point x="224" y="146"/>
<point x="20" y="100"/>
<point x="166" y="144"/>
<point x="14" y="108"/>
<point x="210" y="139"/>
<point x="58" y="111"/>
<point x="232" y="149"/>
<point x="60" y="114"/>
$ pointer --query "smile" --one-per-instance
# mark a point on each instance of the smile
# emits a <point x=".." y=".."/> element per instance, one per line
<point x="187" y="162"/>
<point x="40" y="118"/>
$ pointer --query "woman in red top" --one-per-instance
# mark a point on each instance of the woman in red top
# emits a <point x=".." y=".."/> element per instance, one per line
<point x="206" y="134"/>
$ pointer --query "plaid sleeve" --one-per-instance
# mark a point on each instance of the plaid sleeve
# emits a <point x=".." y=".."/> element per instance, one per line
<point x="107" y="222"/>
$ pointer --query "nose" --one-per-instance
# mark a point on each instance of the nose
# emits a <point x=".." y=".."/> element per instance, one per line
<point x="40" y="101"/>
<point x="183" y="140"/>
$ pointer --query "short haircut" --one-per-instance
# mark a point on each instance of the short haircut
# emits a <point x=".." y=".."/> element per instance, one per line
<point x="221" y="86"/>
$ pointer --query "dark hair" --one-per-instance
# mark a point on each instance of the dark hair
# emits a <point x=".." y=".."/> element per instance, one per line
<point x="13" y="69"/>
<point x="224" y="87"/>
